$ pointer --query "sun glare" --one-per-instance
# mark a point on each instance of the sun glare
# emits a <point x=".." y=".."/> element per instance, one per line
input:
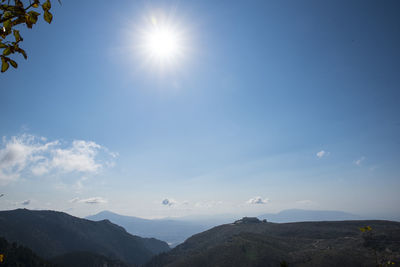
<point x="162" y="42"/>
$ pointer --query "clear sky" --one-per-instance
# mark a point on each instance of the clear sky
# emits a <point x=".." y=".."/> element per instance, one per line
<point x="263" y="106"/>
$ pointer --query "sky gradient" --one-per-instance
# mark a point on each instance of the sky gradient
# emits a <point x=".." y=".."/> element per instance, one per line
<point x="272" y="105"/>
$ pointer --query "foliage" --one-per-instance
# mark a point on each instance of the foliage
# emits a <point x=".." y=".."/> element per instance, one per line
<point x="366" y="229"/>
<point x="12" y="14"/>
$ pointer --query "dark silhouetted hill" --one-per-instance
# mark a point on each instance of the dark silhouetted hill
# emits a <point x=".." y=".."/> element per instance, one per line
<point x="260" y="243"/>
<point x="51" y="234"/>
<point x="16" y="255"/>
<point x="86" y="259"/>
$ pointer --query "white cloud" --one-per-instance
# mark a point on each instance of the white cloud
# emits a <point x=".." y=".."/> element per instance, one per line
<point x="94" y="200"/>
<point x="80" y="157"/>
<point x="27" y="154"/>
<point x="74" y="200"/>
<point x="23" y="203"/>
<point x="169" y="202"/>
<point x="257" y="200"/>
<point x="322" y="153"/>
<point x="359" y="161"/>
<point x="26" y="202"/>
<point x="91" y="200"/>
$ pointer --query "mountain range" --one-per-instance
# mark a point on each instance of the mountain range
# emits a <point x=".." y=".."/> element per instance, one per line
<point x="63" y="240"/>
<point x="176" y="230"/>
<point x="52" y="234"/>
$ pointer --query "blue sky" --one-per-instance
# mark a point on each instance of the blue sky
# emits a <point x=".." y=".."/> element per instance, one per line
<point x="272" y="105"/>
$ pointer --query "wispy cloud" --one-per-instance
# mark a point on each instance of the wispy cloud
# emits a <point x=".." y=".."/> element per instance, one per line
<point x="74" y="200"/>
<point x="91" y="200"/>
<point x="257" y="200"/>
<point x="31" y="155"/>
<point x="169" y="202"/>
<point x="26" y="202"/>
<point x="186" y="205"/>
<point x="79" y="185"/>
<point x="322" y="154"/>
<point x="23" y="203"/>
<point x="359" y="161"/>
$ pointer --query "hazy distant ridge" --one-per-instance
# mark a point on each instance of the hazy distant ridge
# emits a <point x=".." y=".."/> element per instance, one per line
<point x="171" y="231"/>
<point x="299" y="215"/>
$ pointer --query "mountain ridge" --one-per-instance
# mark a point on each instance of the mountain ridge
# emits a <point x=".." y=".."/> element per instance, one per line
<point x="176" y="230"/>
<point x="53" y="233"/>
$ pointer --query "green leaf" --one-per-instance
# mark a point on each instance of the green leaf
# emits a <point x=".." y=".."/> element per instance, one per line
<point x="17" y="36"/>
<point x="34" y="13"/>
<point x="19" y="20"/>
<point x="7" y="15"/>
<point x="3" y="45"/>
<point x="33" y="17"/>
<point x="48" y="16"/>
<point x="4" y="65"/>
<point x="46" y="5"/>
<point x="7" y="51"/>
<point x="22" y="51"/>
<point x="28" y="21"/>
<point x="7" y="25"/>
<point x="13" y="63"/>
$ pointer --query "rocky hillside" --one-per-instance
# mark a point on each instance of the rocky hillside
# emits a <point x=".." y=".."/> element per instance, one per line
<point x="251" y="242"/>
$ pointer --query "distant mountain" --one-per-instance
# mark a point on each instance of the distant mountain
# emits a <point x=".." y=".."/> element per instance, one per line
<point x="250" y="242"/>
<point x="298" y="215"/>
<point x="16" y="255"/>
<point x="51" y="234"/>
<point x="169" y="230"/>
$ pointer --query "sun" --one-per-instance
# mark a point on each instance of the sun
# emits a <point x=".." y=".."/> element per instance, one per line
<point x="162" y="42"/>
